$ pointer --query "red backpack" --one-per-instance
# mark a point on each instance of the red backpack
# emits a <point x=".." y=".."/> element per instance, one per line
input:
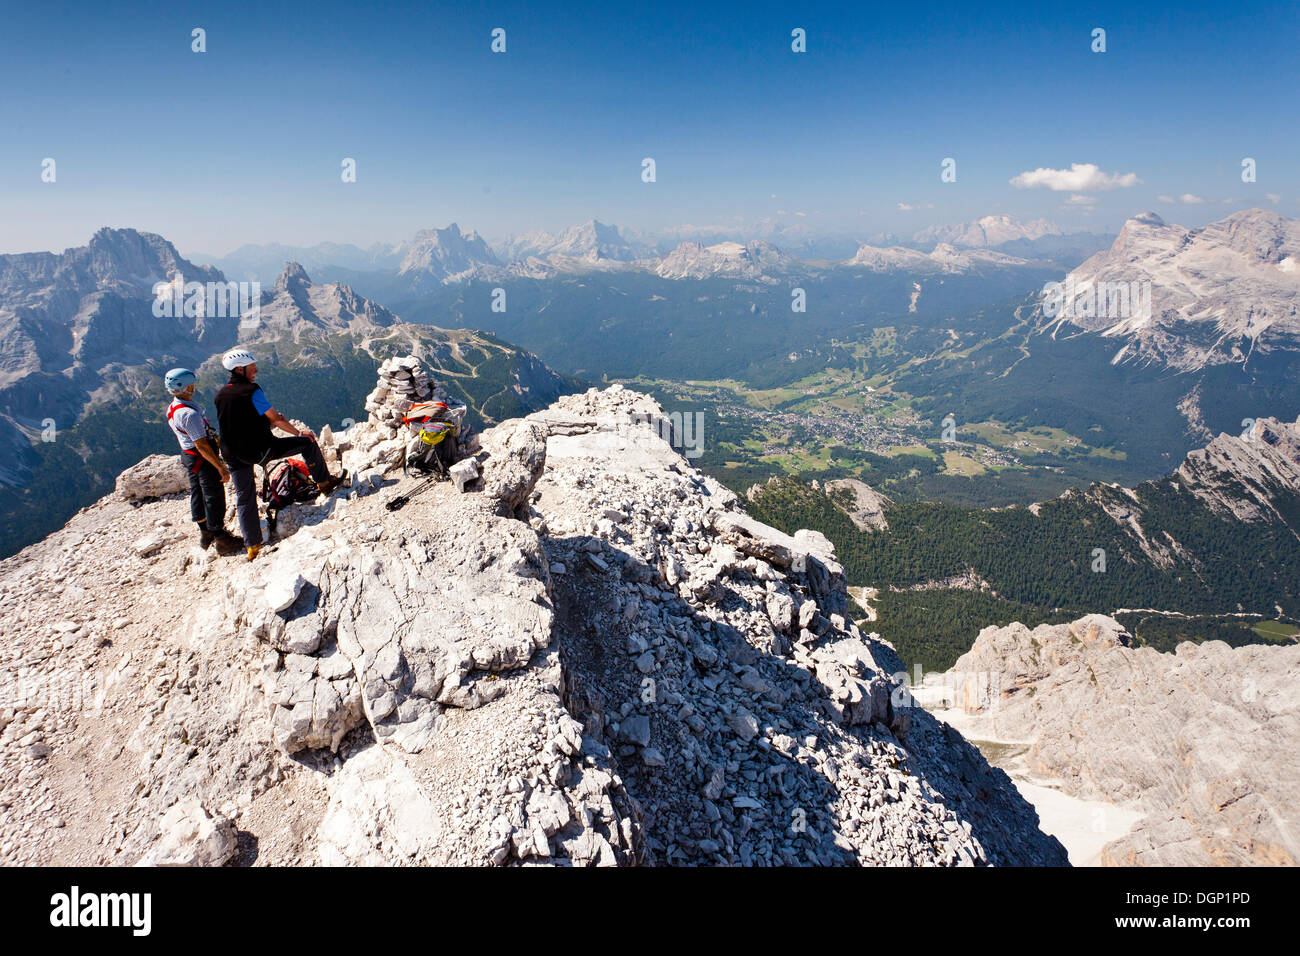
<point x="285" y="483"/>
<point x="422" y="412"/>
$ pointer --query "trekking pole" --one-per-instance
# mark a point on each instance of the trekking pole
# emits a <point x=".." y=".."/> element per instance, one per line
<point x="399" y="500"/>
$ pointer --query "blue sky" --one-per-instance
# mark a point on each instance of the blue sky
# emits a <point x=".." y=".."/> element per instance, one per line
<point x="243" y="143"/>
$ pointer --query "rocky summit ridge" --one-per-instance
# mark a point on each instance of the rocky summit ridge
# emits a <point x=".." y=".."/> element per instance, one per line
<point x="590" y="656"/>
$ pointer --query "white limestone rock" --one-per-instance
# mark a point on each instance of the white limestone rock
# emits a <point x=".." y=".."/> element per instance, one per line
<point x="153" y="477"/>
<point x="191" y="836"/>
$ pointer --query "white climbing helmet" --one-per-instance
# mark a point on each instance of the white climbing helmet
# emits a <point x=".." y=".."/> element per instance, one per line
<point x="237" y="358"/>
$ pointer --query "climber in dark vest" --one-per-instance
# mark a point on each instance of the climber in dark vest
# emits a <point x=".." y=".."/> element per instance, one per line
<point x="206" y="469"/>
<point x="245" y="418"/>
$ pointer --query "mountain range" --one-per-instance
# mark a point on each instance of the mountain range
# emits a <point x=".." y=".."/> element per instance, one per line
<point x="989" y="231"/>
<point x="81" y="337"/>
<point x="84" y="352"/>
<point x="76" y="327"/>
<point x="590" y="240"/>
<point x="451" y="256"/>
<point x="944" y="258"/>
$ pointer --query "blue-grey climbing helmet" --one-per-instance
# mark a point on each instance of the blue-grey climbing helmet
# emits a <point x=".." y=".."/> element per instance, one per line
<point x="179" y="379"/>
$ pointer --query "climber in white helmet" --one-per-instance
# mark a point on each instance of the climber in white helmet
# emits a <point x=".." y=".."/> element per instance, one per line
<point x="245" y="419"/>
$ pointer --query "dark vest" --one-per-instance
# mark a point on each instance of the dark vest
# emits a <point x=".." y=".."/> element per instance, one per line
<point x="245" y="435"/>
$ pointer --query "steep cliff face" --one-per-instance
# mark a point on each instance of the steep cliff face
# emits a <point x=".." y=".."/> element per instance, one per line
<point x="1201" y="742"/>
<point x="592" y="656"/>
<point x="1242" y="475"/>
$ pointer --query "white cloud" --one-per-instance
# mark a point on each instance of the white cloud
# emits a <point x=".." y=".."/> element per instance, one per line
<point x="1164" y="199"/>
<point x="1274" y="198"/>
<point x="1080" y="177"/>
<point x="1188" y="199"/>
<point x="905" y="207"/>
<point x="801" y="214"/>
<point x="1078" y="199"/>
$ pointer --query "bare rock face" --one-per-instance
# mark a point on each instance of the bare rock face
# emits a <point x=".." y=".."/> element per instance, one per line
<point x="463" y="473"/>
<point x="757" y="260"/>
<point x="428" y="631"/>
<point x="1218" y="294"/>
<point x="636" y="672"/>
<point x="1238" y="475"/>
<point x="515" y="456"/>
<point x="712" y="656"/>
<point x="153" y="477"/>
<point x="190" y="836"/>
<point x="868" y="510"/>
<point x="317" y="702"/>
<point x="420" y="646"/>
<point x="1181" y="736"/>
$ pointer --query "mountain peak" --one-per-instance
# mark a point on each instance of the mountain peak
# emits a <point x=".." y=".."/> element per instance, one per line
<point x="1215" y="295"/>
<point x="987" y="231"/>
<point x="298" y="303"/>
<point x="293" y="278"/>
<point x="440" y="254"/>
<point x="754" y="260"/>
<point x="107" y="235"/>
<point x="1256" y="212"/>
<point x="1148" y="219"/>
<point x="126" y="261"/>
<point x="591" y="240"/>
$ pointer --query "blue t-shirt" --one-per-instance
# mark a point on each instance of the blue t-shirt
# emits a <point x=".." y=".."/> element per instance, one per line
<point x="260" y="401"/>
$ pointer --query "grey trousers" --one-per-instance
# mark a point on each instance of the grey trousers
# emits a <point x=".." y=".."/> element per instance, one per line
<point x="246" y="486"/>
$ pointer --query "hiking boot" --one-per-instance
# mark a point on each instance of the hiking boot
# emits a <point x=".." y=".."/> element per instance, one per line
<point x="206" y="537"/>
<point x="325" y="487"/>
<point x="252" y="551"/>
<point x="227" y="543"/>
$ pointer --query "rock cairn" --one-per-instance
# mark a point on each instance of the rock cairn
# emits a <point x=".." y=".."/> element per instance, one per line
<point x="403" y="382"/>
<point x="373" y="448"/>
